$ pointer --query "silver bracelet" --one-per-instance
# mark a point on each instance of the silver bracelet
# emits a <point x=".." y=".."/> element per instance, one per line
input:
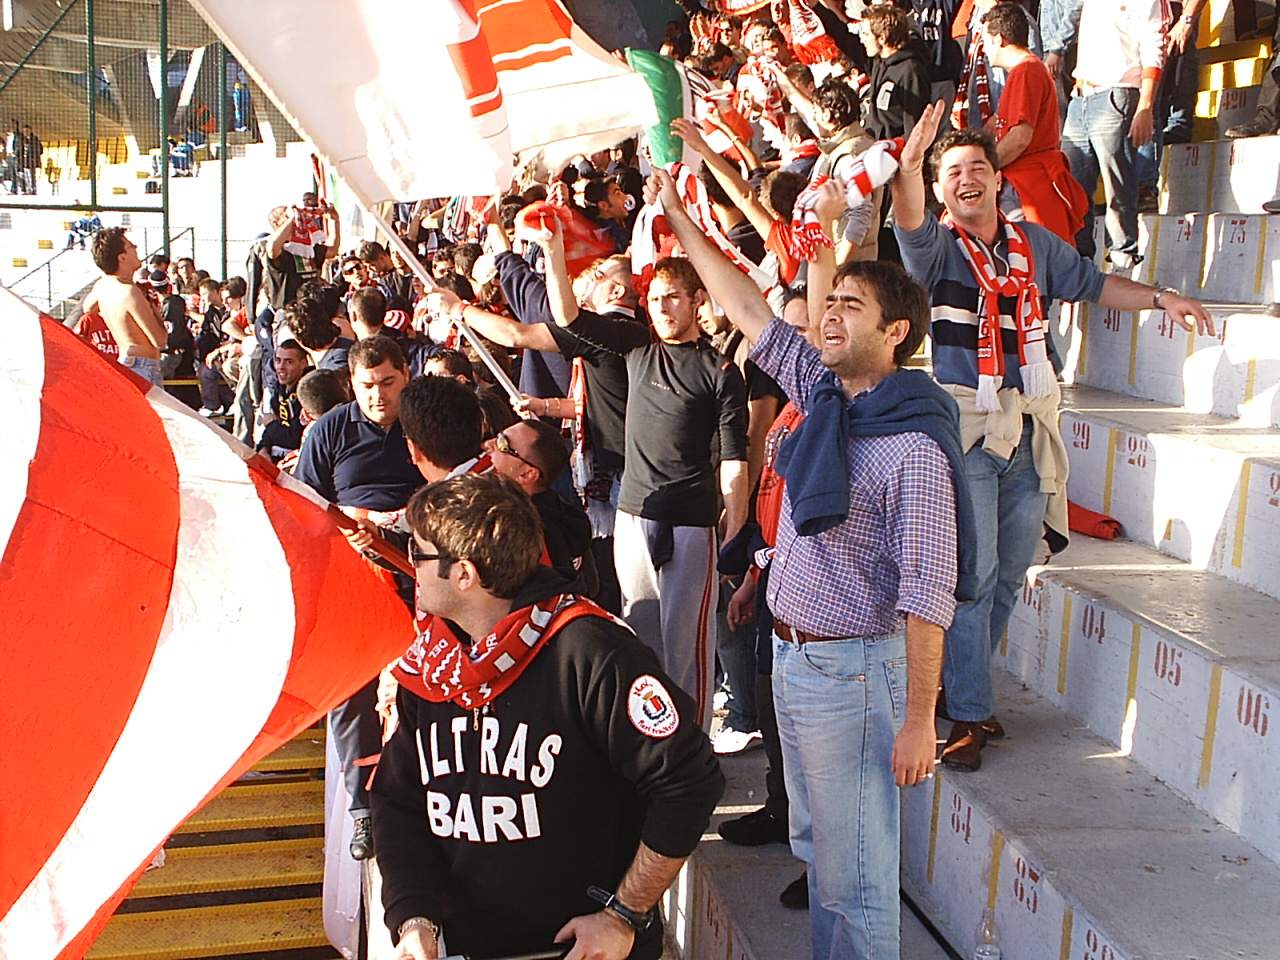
<point x="1159" y="292"/>
<point x="413" y="923"/>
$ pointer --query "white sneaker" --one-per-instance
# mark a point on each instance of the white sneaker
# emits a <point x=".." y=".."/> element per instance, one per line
<point x="729" y="741"/>
<point x="206" y="412"/>
<point x="720" y="701"/>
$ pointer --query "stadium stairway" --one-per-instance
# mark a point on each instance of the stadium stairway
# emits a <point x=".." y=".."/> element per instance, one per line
<point x="242" y="876"/>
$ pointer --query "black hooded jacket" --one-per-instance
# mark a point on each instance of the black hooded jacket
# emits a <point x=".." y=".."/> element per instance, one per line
<point x="899" y="91"/>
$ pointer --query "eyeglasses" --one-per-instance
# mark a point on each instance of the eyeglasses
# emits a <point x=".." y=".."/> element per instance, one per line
<point x="418" y="558"/>
<point x="502" y="444"/>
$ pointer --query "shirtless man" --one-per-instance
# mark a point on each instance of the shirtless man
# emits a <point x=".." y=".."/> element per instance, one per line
<point x="132" y="319"/>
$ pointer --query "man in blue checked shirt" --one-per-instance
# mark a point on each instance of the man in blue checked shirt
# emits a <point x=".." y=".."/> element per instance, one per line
<point x="864" y="579"/>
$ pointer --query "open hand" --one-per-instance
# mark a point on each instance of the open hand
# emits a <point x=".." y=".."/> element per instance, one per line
<point x="922" y="137"/>
<point x="690" y="134"/>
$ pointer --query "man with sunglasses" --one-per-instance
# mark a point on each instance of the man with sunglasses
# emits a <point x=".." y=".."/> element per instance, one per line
<point x="545" y="780"/>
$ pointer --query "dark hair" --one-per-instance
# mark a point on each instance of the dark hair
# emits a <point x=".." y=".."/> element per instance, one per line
<point x="319" y="391"/>
<point x="484" y="519"/>
<point x="108" y="246"/>
<point x="156" y="258"/>
<point x="507" y="212"/>
<point x="714" y="190"/>
<point x="495" y="412"/>
<point x="181" y="260"/>
<point x="235" y="287"/>
<point x="442" y="418"/>
<point x="375" y="351"/>
<point x="548" y="451"/>
<point x="208" y="283"/>
<point x="454" y="362"/>
<point x="889" y="24"/>
<point x="371" y="250"/>
<point x="458" y="285"/>
<point x="309" y="325"/>
<point x="534" y="193"/>
<point x="779" y="190"/>
<point x="465" y="256"/>
<point x="680" y="270"/>
<point x="595" y="192"/>
<point x="838" y="101"/>
<point x="1008" y="21"/>
<point x="898" y="295"/>
<point x="968" y="137"/>
<point x="443" y="254"/>
<point x="799" y="73"/>
<point x="797" y="127"/>
<point x="369" y="306"/>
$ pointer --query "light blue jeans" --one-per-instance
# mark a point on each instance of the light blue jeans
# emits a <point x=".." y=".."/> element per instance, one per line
<point x="839" y="705"/>
<point x="1008" y="510"/>
<point x="146" y="368"/>
<point x="1096" y="141"/>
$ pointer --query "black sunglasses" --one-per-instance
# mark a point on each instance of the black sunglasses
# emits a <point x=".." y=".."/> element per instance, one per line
<point x="502" y="444"/>
<point x="417" y="558"/>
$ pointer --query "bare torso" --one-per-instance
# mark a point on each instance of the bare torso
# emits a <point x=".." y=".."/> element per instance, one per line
<point x="130" y="317"/>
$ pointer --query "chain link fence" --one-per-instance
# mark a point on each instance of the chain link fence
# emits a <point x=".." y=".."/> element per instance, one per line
<point x="130" y="113"/>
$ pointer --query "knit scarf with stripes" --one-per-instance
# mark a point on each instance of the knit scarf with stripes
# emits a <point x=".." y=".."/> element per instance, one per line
<point x="860" y="178"/>
<point x="1019" y="283"/>
<point x="977" y="69"/>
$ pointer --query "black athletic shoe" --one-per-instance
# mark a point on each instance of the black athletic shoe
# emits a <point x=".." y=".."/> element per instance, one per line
<point x="796" y="895"/>
<point x="362" y="839"/>
<point x="755" y="829"/>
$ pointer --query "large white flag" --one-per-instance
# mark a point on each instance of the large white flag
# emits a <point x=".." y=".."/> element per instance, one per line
<point x="432" y="98"/>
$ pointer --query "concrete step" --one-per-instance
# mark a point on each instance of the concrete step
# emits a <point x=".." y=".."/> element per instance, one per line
<point x="223" y="867"/>
<point x="1081" y="853"/>
<point x="1235" y="373"/>
<point x="1199" y="487"/>
<point x="1224" y="176"/>
<point x="1219" y="110"/>
<point x="1220" y="257"/>
<point x="1176" y="668"/>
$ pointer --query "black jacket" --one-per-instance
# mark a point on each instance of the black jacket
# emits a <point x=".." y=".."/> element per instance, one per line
<point x="899" y="92"/>
<point x="547" y="791"/>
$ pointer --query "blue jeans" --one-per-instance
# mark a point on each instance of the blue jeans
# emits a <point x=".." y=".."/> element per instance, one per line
<point x="146" y="368"/>
<point x="839" y="704"/>
<point x="737" y="652"/>
<point x="1008" y="510"/>
<point x="1096" y="141"/>
<point x="1175" y="106"/>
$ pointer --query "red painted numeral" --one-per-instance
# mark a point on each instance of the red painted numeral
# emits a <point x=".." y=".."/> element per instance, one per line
<point x="1191" y="156"/>
<point x="1167" y="327"/>
<point x="1093" y="623"/>
<point x="1253" y="709"/>
<point x="1274" y="483"/>
<point x="1080" y="434"/>
<point x="1184" y="229"/>
<point x="1031" y="594"/>
<point x="1025" y="885"/>
<point x="1168" y="663"/>
<point x="1095" y="949"/>
<point x="1238" y="231"/>
<point x="961" y="817"/>
<point x="1111" y="320"/>
<point x="1137" y="447"/>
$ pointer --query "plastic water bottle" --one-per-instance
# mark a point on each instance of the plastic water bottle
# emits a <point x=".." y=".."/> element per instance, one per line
<point x="987" y="937"/>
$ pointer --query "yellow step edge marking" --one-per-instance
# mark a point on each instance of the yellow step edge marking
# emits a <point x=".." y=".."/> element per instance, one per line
<point x="1155" y="251"/>
<point x="1250" y="379"/>
<point x="1082" y="318"/>
<point x="220" y="867"/>
<point x="1064" y="643"/>
<point x="1135" y="657"/>
<point x="1068" y="919"/>
<point x="1204" y="245"/>
<point x="993" y="878"/>
<point x="1261" y="270"/>
<point x="1168" y="531"/>
<point x="1113" y="441"/>
<point x="933" y="824"/>
<point x="1164" y="182"/>
<point x="1208" y="187"/>
<point x="1004" y="643"/>
<point x="1210" y="726"/>
<point x="1134" y="318"/>
<point x="1242" y="512"/>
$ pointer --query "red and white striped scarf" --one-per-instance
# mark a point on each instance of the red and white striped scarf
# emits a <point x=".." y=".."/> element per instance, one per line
<point x="1038" y="377"/>
<point x="977" y="69"/>
<point x="871" y="169"/>
<point x="760" y="98"/>
<point x="804" y="31"/>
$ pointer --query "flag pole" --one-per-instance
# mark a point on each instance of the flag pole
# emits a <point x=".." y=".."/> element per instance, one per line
<point x="411" y="259"/>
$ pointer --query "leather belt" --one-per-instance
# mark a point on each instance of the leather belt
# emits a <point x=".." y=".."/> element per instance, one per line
<point x="798" y="637"/>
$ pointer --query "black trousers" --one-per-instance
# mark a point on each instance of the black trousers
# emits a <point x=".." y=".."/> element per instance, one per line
<point x="357" y="737"/>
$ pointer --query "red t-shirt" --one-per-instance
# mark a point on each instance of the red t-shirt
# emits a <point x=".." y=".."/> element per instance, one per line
<point x="772" y="485"/>
<point x="1030" y="97"/>
<point x="93" y="328"/>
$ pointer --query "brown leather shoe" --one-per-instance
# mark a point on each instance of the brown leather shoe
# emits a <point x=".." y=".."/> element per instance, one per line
<point x="993" y="728"/>
<point x="963" y="750"/>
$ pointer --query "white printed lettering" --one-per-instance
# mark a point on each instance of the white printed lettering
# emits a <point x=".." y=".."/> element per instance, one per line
<point x="438" y="814"/>
<point x="489" y="731"/>
<point x="439" y="768"/>
<point x="464" y="820"/>
<point x="514" y="765"/>
<point x="540" y="773"/>
<point x="499" y="813"/>
<point x="529" y="804"/>
<point x="459" y="727"/>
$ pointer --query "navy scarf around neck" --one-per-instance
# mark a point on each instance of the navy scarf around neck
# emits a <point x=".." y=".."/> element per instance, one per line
<point x="814" y="458"/>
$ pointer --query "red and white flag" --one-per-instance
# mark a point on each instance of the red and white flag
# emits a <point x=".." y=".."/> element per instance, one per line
<point x="169" y="614"/>
<point x="434" y="98"/>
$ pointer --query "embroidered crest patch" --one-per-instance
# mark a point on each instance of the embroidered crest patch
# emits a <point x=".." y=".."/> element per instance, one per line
<point x="651" y="709"/>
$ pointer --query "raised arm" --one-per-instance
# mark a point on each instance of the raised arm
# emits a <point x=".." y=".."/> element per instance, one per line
<point x="739" y="190"/>
<point x="907" y="184"/>
<point x="730" y="287"/>
<point x="822" y="269"/>
<point x="501" y="330"/>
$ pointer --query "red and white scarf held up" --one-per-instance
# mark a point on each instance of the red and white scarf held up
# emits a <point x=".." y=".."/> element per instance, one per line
<point x="977" y="69"/>
<point x="860" y="178"/>
<point x="1019" y="283"/>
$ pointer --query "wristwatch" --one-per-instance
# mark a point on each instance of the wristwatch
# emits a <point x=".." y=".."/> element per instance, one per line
<point x="1161" y="291"/>
<point x="636" y="920"/>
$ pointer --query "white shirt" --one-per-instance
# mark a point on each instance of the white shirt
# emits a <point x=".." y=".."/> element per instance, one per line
<point x="1119" y="42"/>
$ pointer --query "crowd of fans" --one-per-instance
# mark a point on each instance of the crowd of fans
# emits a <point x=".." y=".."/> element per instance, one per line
<point x="712" y="414"/>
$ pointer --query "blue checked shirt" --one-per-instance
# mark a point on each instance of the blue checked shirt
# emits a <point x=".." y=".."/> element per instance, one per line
<point x="895" y="554"/>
